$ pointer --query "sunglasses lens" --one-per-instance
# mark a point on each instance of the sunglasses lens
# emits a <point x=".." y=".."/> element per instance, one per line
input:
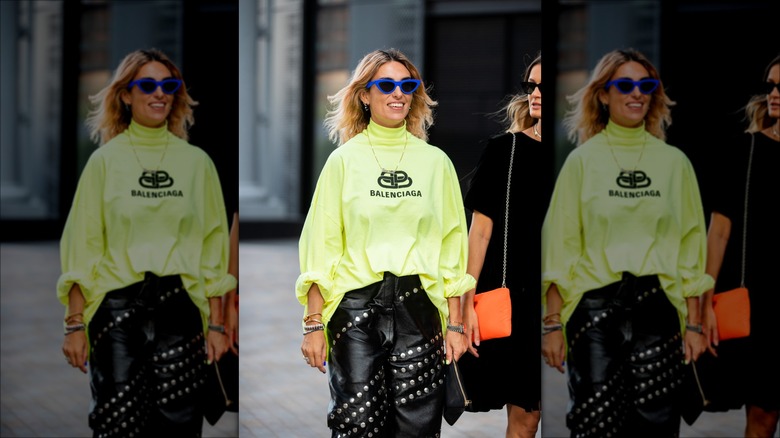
<point x="169" y="86"/>
<point x="147" y="87"/>
<point x="624" y="87"/>
<point x="386" y="87"/>
<point x="647" y="86"/>
<point x="529" y="87"/>
<point x="409" y="86"/>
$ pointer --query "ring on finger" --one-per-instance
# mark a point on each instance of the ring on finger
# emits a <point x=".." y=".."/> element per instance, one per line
<point x="306" y="359"/>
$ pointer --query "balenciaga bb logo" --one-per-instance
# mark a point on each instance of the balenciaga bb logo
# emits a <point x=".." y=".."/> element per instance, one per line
<point x="633" y="179"/>
<point x="155" y="179"/>
<point x="394" y="179"/>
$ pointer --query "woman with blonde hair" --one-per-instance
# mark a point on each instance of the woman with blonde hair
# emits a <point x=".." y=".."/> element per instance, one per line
<point x="383" y="257"/>
<point x="737" y="248"/>
<point x="623" y="254"/>
<point x="506" y="371"/>
<point x="144" y="256"/>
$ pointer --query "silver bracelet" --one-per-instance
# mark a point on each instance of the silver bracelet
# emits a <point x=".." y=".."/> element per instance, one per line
<point x="696" y="328"/>
<point x="217" y="328"/>
<point x="312" y="328"/>
<point x="455" y="328"/>
<point x="74" y="328"/>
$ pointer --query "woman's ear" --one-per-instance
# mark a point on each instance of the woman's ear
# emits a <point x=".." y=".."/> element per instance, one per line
<point x="124" y="96"/>
<point x="603" y="100"/>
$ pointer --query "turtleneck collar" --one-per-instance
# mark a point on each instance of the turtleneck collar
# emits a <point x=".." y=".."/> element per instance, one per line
<point x="146" y="136"/>
<point x="623" y="136"/>
<point x="382" y="136"/>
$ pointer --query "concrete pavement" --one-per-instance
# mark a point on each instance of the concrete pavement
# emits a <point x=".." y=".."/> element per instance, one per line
<point x="280" y="395"/>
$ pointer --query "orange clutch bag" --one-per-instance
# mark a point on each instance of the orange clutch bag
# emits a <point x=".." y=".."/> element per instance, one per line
<point x="732" y="310"/>
<point x="494" y="310"/>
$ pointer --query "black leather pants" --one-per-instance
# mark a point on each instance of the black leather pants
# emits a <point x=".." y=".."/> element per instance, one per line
<point x="386" y="353"/>
<point x="625" y="362"/>
<point x="146" y="362"/>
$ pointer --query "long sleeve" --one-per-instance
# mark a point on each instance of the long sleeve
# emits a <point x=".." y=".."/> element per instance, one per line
<point x="562" y="230"/>
<point x="693" y="245"/>
<point x="82" y="244"/>
<point x="216" y="249"/>
<point x="321" y="244"/>
<point x="454" y="250"/>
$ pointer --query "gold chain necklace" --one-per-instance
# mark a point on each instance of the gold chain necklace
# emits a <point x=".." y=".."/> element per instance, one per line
<point x="612" y="150"/>
<point x="391" y="172"/>
<point x="536" y="133"/>
<point x="145" y="170"/>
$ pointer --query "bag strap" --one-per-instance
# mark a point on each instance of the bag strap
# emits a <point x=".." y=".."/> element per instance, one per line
<point x="506" y="212"/>
<point x="745" y="214"/>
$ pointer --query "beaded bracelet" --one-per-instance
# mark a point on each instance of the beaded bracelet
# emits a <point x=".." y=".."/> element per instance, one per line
<point x="547" y="329"/>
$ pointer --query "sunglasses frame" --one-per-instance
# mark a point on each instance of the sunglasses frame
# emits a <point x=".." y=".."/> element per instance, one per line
<point x="767" y="87"/>
<point x="161" y="84"/>
<point x="525" y="85"/>
<point x="634" y="84"/>
<point x="396" y="84"/>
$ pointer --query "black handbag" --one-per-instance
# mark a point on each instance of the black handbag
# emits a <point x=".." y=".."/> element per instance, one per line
<point x="455" y="399"/>
<point x="221" y="392"/>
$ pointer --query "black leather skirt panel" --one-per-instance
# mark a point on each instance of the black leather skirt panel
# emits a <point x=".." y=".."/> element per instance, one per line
<point x="147" y="361"/>
<point x="625" y="361"/>
<point x="386" y="353"/>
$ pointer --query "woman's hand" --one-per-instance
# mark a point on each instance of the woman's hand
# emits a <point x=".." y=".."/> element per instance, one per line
<point x="75" y="349"/>
<point x="231" y="322"/>
<point x="471" y="327"/>
<point x="455" y="345"/>
<point x="709" y="325"/>
<point x="695" y="344"/>
<point x="313" y="349"/>
<point x="554" y="349"/>
<point x="216" y="345"/>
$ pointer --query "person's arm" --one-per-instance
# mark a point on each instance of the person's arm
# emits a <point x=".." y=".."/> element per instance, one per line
<point x="453" y="259"/>
<point x="479" y="236"/>
<point x="692" y="260"/>
<point x="320" y="247"/>
<point x="562" y="247"/>
<point x="717" y="239"/>
<point x="81" y="248"/>
<point x="230" y="304"/>
<point x="553" y="344"/>
<point x="215" y="259"/>
<point x="75" y="346"/>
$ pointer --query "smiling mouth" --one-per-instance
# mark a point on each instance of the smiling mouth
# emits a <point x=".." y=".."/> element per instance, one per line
<point x="397" y="105"/>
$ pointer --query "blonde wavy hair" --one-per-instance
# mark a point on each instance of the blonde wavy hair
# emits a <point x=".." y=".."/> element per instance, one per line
<point x="588" y="116"/>
<point x="346" y="117"/>
<point x="756" y="109"/>
<point x="110" y="117"/>
<point x="514" y="115"/>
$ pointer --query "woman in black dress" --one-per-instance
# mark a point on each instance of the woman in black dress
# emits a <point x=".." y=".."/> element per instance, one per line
<point x="746" y="172"/>
<point x="506" y="371"/>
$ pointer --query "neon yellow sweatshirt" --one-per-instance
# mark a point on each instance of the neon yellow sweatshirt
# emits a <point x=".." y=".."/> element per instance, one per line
<point x="362" y="223"/>
<point x="124" y="222"/>
<point x="602" y="222"/>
